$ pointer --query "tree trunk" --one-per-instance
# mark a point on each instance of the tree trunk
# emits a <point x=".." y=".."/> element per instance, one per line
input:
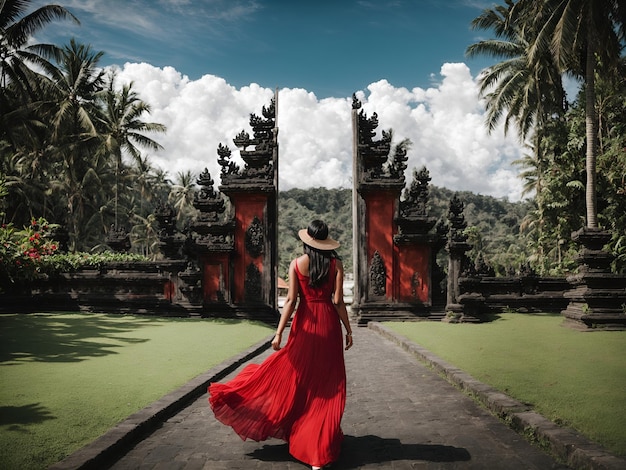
<point x="591" y="131"/>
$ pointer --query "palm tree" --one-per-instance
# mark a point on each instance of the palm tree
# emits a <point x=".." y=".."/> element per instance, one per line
<point x="122" y="129"/>
<point x="74" y="114"/>
<point x="23" y="151"/>
<point x="182" y="194"/>
<point x="584" y="37"/>
<point x="528" y="93"/>
<point x="16" y="28"/>
<point x="75" y="85"/>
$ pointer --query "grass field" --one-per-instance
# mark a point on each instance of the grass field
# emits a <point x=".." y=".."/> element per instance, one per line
<point x="577" y="379"/>
<point x="65" y="379"/>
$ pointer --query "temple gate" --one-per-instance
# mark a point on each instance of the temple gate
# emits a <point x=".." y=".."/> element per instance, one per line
<point x="237" y="270"/>
<point x="394" y="248"/>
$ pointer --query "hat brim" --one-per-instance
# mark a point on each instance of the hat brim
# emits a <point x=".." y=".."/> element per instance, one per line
<point x="325" y="245"/>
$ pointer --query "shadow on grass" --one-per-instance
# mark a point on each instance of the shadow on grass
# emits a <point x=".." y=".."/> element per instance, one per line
<point x="363" y="450"/>
<point x="73" y="337"/>
<point x="59" y="338"/>
<point x="14" y="416"/>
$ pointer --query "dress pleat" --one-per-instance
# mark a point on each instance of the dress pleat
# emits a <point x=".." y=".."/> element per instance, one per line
<point x="298" y="393"/>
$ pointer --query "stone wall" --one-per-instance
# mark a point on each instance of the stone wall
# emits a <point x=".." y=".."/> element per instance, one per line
<point x="482" y="295"/>
<point x="134" y="287"/>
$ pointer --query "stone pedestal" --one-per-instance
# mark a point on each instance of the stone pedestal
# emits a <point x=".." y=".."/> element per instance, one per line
<point x="597" y="299"/>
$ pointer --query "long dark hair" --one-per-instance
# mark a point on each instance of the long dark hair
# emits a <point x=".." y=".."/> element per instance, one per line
<point x="319" y="260"/>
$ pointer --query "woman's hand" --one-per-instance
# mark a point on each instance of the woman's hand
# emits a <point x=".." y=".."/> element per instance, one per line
<point x="348" y="341"/>
<point x="276" y="341"/>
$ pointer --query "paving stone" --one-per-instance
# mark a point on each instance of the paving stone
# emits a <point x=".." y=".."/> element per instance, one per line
<point x="399" y="415"/>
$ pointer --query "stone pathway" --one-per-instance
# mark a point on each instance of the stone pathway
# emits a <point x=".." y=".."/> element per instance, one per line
<point x="400" y="414"/>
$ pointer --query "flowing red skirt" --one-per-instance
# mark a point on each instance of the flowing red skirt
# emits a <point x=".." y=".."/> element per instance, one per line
<point x="297" y="394"/>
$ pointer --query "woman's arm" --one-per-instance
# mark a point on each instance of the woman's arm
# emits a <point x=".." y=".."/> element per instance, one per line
<point x="340" y="305"/>
<point x="288" y="307"/>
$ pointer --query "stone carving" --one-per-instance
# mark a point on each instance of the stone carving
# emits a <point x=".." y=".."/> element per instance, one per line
<point x="253" y="286"/>
<point x="378" y="275"/>
<point x="372" y="153"/>
<point x="457" y="221"/>
<point x="170" y="241"/>
<point x="257" y="153"/>
<point x="229" y="168"/>
<point x="166" y="217"/>
<point x="483" y="269"/>
<point x="415" y="201"/>
<point x="415" y="284"/>
<point x="413" y="220"/>
<point x="118" y="239"/>
<point x="207" y="200"/>
<point x="396" y="166"/>
<point x="191" y="286"/>
<point x="255" y="240"/>
<point x="206" y="232"/>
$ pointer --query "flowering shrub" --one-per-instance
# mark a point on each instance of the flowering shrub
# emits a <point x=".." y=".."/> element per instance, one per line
<point x="30" y="254"/>
<point x="22" y="252"/>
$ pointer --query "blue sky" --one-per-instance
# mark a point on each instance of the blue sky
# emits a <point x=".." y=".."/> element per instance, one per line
<point x="204" y="65"/>
<point x="332" y="48"/>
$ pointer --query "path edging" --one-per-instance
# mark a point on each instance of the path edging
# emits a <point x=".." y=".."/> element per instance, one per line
<point x="115" y="442"/>
<point x="566" y="444"/>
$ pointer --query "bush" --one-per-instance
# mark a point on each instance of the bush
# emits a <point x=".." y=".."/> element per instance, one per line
<point x="23" y="253"/>
<point x="31" y="254"/>
<point x="68" y="262"/>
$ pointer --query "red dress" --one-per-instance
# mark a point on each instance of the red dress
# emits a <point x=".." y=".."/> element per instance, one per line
<point x="297" y="394"/>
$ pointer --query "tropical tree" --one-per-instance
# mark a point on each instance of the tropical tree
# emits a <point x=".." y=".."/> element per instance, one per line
<point x="74" y="114"/>
<point x="182" y="194"/>
<point x="527" y="93"/>
<point x="16" y="28"/>
<point x="23" y="151"/>
<point x="122" y="129"/>
<point x="583" y="36"/>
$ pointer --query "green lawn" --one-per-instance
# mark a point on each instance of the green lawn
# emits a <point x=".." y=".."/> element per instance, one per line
<point x="577" y="379"/>
<point x="68" y="378"/>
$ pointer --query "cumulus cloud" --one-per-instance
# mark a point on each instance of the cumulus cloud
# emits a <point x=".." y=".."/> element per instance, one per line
<point x="444" y="123"/>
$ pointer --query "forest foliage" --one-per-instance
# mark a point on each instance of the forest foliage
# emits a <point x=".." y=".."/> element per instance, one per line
<point x="493" y="224"/>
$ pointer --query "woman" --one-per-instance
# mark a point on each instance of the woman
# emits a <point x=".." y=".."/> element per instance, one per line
<point x="298" y="394"/>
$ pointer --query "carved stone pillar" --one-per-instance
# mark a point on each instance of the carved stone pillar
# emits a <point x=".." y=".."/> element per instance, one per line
<point x="457" y="248"/>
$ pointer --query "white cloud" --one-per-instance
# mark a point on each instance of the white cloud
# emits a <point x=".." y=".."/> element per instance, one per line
<point x="444" y="122"/>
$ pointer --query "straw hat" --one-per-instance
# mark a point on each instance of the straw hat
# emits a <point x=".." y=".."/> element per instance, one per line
<point x="326" y="244"/>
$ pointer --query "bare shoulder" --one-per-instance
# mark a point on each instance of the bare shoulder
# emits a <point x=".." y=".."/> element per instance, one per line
<point x="303" y="264"/>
